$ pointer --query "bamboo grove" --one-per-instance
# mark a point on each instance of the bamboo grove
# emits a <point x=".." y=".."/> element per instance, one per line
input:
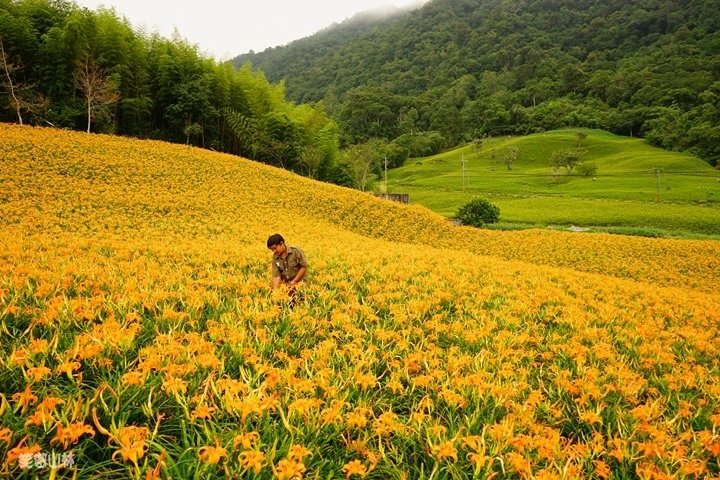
<point x="69" y="67"/>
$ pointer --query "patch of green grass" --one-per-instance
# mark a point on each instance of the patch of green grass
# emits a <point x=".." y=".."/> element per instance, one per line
<point x="636" y="186"/>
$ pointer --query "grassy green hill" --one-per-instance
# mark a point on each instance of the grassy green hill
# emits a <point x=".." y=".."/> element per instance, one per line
<point x="621" y="194"/>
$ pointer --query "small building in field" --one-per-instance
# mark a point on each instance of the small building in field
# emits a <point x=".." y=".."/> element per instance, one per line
<point x="395" y="197"/>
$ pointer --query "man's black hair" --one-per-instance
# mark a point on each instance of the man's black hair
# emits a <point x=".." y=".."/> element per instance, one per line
<point x="275" y="239"/>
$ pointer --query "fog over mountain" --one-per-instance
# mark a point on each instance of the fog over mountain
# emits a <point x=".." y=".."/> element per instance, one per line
<point x="468" y="68"/>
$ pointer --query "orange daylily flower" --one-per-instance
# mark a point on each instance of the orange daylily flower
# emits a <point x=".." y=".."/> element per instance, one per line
<point x="289" y="470"/>
<point x="445" y="451"/>
<point x="6" y="435"/>
<point x="211" y="455"/>
<point x="71" y="434"/>
<point x="354" y="467"/>
<point x="131" y="442"/>
<point x="252" y="460"/>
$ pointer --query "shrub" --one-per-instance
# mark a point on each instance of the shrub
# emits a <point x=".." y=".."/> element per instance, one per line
<point x="477" y="212"/>
<point x="587" y="169"/>
<point x="567" y="159"/>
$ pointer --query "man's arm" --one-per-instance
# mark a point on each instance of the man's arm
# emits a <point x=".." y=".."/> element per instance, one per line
<point x="275" y="279"/>
<point x="300" y="275"/>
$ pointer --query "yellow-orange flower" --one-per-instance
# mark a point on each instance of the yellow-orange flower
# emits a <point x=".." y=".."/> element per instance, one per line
<point x="71" y="434"/>
<point x="45" y="411"/>
<point x="15" y="453"/>
<point x="445" y="451"/>
<point x="68" y="368"/>
<point x="252" y="460"/>
<point x="134" y="378"/>
<point x="175" y="385"/>
<point x="211" y="455"/>
<point x="204" y="412"/>
<point x="287" y="469"/>
<point x="479" y="460"/>
<point x="298" y="452"/>
<point x="354" y="467"/>
<point x="246" y="440"/>
<point x="358" y="418"/>
<point x="602" y="469"/>
<point x="131" y="442"/>
<point x="38" y="346"/>
<point x="37" y="373"/>
<point x="6" y="435"/>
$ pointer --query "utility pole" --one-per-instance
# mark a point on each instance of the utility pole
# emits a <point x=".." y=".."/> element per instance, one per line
<point x="386" y="185"/>
<point x="462" y="160"/>
<point x="658" y="171"/>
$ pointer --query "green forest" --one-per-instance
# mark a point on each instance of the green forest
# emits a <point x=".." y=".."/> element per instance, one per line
<point x="69" y="67"/>
<point x="465" y="69"/>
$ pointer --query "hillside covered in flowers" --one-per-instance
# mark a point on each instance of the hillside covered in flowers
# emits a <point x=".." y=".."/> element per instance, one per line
<point x="140" y="338"/>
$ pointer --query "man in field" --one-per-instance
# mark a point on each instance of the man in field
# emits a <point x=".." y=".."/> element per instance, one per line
<point x="289" y="264"/>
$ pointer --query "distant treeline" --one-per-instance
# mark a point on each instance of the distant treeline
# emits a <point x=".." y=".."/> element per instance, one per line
<point x="70" y="67"/>
<point x="469" y="68"/>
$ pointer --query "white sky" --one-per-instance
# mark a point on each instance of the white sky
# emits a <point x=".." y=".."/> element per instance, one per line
<point x="225" y="29"/>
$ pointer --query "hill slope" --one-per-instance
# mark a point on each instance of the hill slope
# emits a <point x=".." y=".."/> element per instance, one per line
<point x="622" y="191"/>
<point x="469" y="67"/>
<point x="141" y="338"/>
<point x="164" y="190"/>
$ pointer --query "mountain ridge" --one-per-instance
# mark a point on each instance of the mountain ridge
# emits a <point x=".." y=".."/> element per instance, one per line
<point x="475" y="67"/>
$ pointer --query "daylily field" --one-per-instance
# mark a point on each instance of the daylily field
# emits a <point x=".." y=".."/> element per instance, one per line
<point x="141" y="339"/>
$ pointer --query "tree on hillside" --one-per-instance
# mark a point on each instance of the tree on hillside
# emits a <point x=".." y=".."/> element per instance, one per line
<point x="94" y="71"/>
<point x="371" y="112"/>
<point x="244" y="130"/>
<point x="390" y="152"/>
<point x="9" y="70"/>
<point x="581" y="136"/>
<point x="278" y="141"/>
<point x="421" y="144"/>
<point x="477" y="146"/>
<point x="21" y="96"/>
<point x="510" y="157"/>
<point x="192" y="130"/>
<point x="99" y="90"/>
<point x="567" y="158"/>
<point x="359" y="163"/>
<point x="311" y="158"/>
<point x="478" y="212"/>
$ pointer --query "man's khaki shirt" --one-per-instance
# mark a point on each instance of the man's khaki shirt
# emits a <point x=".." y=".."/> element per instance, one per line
<point x="286" y="268"/>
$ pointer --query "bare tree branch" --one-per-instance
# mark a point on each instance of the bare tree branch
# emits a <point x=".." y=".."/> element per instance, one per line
<point x="100" y="91"/>
<point x="9" y="68"/>
<point x="23" y="97"/>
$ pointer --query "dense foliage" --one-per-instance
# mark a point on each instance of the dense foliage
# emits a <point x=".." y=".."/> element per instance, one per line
<point x="73" y="68"/>
<point x="477" y="212"/>
<point x="469" y="68"/>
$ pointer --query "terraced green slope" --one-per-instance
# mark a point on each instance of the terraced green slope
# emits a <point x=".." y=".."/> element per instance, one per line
<point x="623" y="192"/>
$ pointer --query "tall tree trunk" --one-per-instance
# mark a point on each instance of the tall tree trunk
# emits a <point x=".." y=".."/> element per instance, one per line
<point x="8" y="67"/>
